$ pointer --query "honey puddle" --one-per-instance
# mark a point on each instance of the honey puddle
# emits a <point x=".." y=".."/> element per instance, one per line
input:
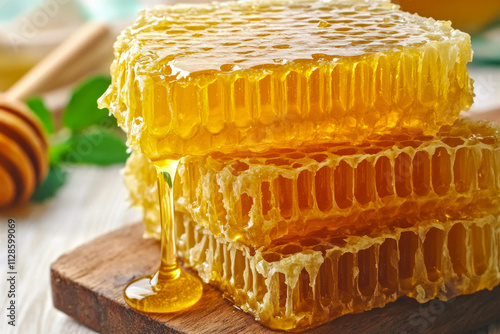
<point x="170" y="289"/>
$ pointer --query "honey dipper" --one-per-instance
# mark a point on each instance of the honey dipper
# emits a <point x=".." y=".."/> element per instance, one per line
<point x="24" y="159"/>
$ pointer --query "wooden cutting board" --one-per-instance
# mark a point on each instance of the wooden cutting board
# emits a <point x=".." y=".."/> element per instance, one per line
<point x="87" y="284"/>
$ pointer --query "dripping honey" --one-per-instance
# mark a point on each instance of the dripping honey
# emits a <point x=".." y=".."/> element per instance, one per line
<point x="169" y="289"/>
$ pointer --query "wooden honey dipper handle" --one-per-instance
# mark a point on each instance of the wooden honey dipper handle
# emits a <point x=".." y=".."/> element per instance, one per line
<point x="63" y="56"/>
<point x="24" y="161"/>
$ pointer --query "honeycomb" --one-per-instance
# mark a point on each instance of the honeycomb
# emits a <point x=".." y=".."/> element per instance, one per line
<point x="309" y="281"/>
<point x="190" y="80"/>
<point x="256" y="199"/>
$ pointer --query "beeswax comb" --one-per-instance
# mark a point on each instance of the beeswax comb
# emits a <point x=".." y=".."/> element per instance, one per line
<point x="304" y="283"/>
<point x="256" y="199"/>
<point x="194" y="79"/>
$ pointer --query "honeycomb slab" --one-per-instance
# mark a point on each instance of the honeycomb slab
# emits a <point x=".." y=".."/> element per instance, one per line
<point x="190" y="80"/>
<point x="256" y="199"/>
<point x="306" y="282"/>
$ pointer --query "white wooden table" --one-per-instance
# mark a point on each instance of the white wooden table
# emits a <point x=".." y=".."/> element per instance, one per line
<point x="92" y="202"/>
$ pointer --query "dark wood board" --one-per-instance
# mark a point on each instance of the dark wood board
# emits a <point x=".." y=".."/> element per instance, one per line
<point x="87" y="284"/>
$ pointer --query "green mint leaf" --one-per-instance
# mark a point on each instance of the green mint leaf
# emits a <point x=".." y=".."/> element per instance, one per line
<point x="95" y="146"/>
<point x="53" y="182"/>
<point x="39" y="109"/>
<point x="82" y="110"/>
<point x="110" y="122"/>
<point x="58" y="151"/>
<point x="167" y="178"/>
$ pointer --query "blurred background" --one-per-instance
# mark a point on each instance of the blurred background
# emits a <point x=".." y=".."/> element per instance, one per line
<point x="481" y="19"/>
<point x="30" y="29"/>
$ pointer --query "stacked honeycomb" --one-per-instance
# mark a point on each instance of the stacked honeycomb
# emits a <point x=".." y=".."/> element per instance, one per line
<point x="190" y="80"/>
<point x="440" y="242"/>
<point x="323" y="168"/>
<point x="259" y="198"/>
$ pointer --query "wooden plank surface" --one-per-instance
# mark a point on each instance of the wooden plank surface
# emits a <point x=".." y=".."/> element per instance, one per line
<point x="88" y="282"/>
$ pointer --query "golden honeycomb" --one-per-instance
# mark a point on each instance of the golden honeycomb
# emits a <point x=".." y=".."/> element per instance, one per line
<point x="306" y="282"/>
<point x="190" y="80"/>
<point x="323" y="168"/>
<point x="256" y="199"/>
